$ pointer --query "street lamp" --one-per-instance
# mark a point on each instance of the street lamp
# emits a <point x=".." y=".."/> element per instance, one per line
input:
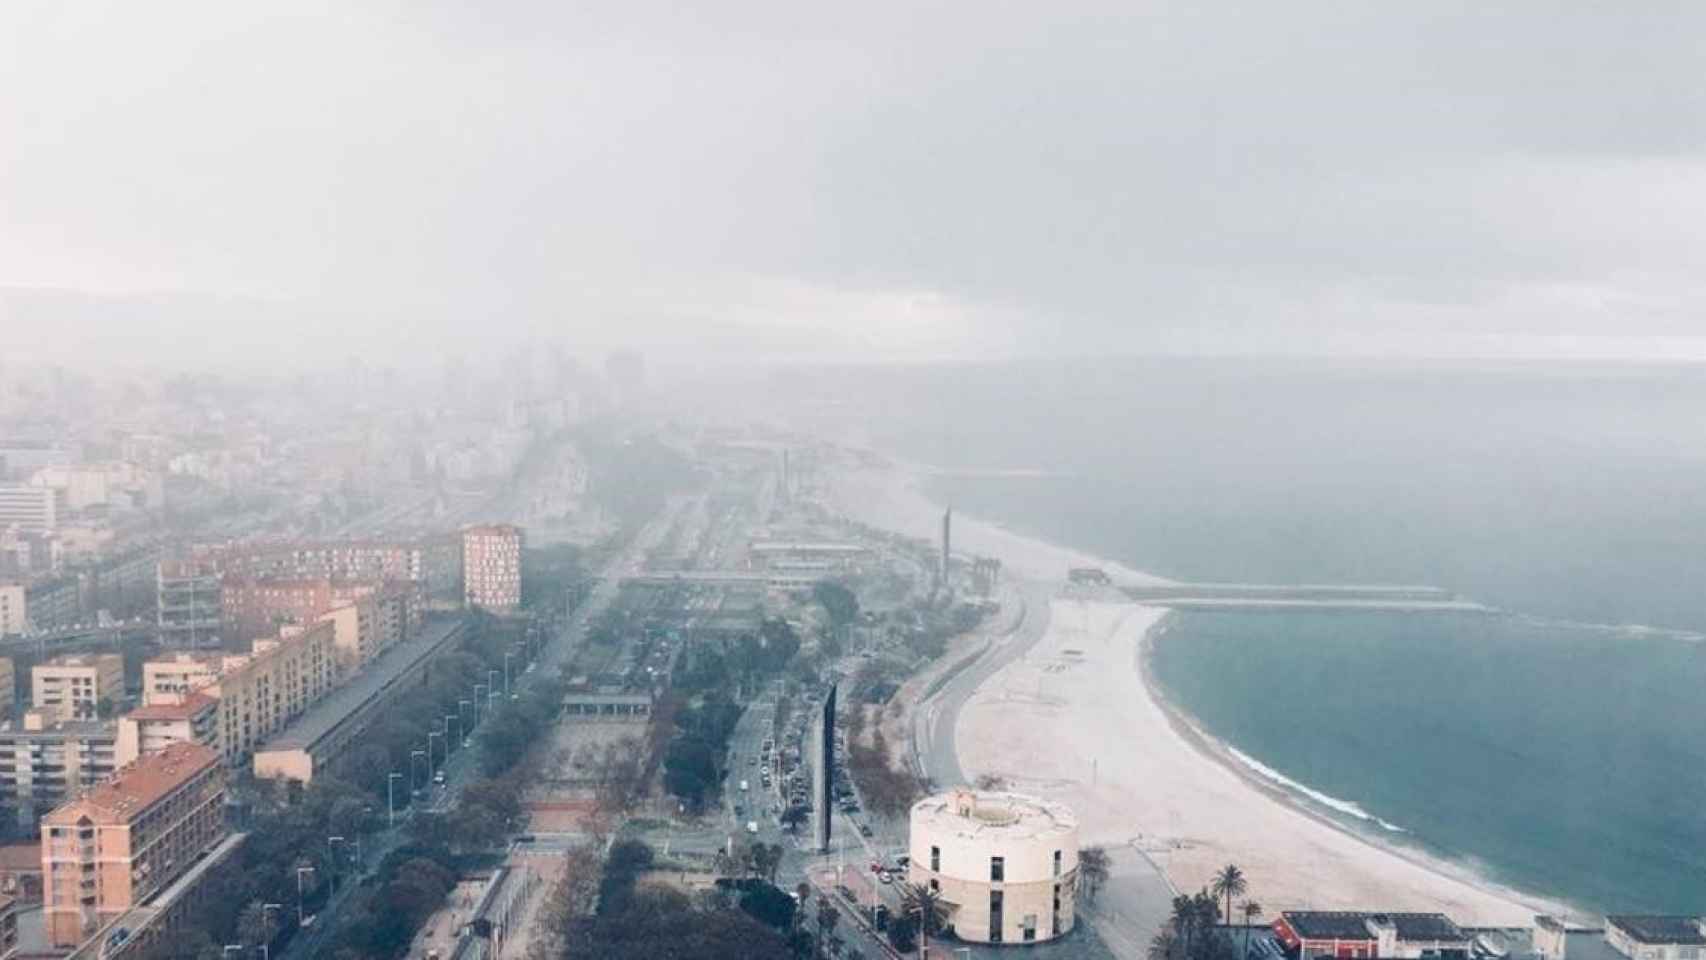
<point x="507" y="655"/>
<point x="458" y="739"/>
<point x="430" y="735"/>
<point x="477" y="695"/>
<point x="301" y="915"/>
<point x="412" y="755"/>
<point x="460" y="704"/>
<point x="226" y="952"/>
<point x="491" y="686"/>
<point x="390" y="798"/>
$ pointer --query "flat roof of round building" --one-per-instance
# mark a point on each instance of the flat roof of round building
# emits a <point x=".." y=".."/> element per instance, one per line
<point x="988" y="814"/>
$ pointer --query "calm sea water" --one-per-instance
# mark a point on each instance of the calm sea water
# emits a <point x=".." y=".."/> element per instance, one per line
<point x="1556" y="755"/>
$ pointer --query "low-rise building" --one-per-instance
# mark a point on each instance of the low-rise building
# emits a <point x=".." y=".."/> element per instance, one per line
<point x="1361" y="934"/>
<point x="77" y="686"/>
<point x="194" y="718"/>
<point x="1005" y="864"/>
<point x="1656" y="937"/>
<point x="129" y="838"/>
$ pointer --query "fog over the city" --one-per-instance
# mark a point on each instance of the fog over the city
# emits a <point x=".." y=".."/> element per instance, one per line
<point x="198" y="180"/>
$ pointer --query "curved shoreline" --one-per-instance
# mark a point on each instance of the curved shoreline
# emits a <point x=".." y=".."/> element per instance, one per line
<point x="890" y="498"/>
<point x="1212" y="748"/>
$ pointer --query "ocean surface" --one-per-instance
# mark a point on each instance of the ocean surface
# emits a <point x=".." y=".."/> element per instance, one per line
<point x="1560" y="747"/>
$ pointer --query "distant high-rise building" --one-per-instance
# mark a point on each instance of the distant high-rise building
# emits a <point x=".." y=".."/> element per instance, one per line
<point x="30" y="509"/>
<point x="491" y="567"/>
<point x="823" y="772"/>
<point x="189" y="606"/>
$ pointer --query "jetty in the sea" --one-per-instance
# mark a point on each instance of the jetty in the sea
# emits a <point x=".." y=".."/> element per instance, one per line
<point x="1303" y="597"/>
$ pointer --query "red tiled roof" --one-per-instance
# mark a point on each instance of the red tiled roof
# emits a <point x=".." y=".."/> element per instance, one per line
<point x="138" y="786"/>
<point x="191" y="704"/>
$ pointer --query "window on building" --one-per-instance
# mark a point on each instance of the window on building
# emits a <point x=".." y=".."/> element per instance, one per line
<point x="995" y="916"/>
<point x="1057" y="863"/>
<point x="997" y="869"/>
<point x="935" y="859"/>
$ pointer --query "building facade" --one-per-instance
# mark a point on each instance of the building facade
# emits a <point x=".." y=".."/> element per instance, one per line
<point x="194" y="718"/>
<point x="188" y="607"/>
<point x="42" y="764"/>
<point x="128" y="838"/>
<point x="14" y="609"/>
<point x="1005" y="864"/>
<point x="30" y="509"/>
<point x="491" y="567"/>
<point x="77" y="686"/>
<point x="1656" y="937"/>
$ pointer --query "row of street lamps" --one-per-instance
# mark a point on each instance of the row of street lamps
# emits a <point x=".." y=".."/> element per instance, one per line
<point x="488" y="692"/>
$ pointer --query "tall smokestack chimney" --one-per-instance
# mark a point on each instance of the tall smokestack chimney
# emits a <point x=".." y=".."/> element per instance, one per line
<point x="947" y="543"/>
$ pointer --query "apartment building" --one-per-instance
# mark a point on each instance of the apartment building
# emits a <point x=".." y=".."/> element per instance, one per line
<point x="194" y="718"/>
<point x="166" y="679"/>
<point x="30" y="509"/>
<point x="129" y="838"/>
<point x="8" y="687"/>
<point x="55" y="602"/>
<point x="366" y="626"/>
<point x="258" y="607"/>
<point x="332" y="725"/>
<point x="491" y="567"/>
<point x="432" y="563"/>
<point x="42" y="763"/>
<point x="75" y="687"/>
<point x="14" y="609"/>
<point x="187" y="604"/>
<point x="262" y="693"/>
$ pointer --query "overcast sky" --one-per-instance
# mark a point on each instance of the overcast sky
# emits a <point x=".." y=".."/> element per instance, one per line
<point x="886" y="179"/>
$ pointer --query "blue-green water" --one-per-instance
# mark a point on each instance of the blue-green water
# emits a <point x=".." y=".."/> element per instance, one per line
<point x="1562" y="758"/>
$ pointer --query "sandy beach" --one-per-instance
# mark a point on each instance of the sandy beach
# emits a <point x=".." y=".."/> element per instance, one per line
<point x="1075" y="720"/>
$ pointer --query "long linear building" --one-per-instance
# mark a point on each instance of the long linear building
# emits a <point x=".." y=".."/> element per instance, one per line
<point x="326" y="730"/>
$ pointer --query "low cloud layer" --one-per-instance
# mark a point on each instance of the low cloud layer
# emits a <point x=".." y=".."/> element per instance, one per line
<point x="888" y="180"/>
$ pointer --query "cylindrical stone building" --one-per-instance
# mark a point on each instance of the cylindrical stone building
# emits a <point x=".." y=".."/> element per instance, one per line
<point x="1004" y="863"/>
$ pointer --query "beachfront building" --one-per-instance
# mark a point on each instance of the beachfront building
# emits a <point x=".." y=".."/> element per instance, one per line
<point x="128" y="838"/>
<point x="1005" y="864"/>
<point x="1656" y="937"/>
<point x="76" y="687"/>
<point x="1360" y="935"/>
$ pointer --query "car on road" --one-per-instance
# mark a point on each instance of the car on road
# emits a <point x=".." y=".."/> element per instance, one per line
<point x="865" y="830"/>
<point x="752" y="826"/>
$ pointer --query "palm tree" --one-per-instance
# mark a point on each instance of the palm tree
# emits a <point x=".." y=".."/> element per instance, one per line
<point x="1092" y="871"/>
<point x="1252" y="910"/>
<point x="916" y="898"/>
<point x="1229" y="883"/>
<point x="1164" y="945"/>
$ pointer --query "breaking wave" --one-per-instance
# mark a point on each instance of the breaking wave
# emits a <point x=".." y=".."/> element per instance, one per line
<point x="1346" y="807"/>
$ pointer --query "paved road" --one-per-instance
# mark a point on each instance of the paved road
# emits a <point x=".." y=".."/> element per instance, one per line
<point x="463" y="763"/>
<point x="934" y="721"/>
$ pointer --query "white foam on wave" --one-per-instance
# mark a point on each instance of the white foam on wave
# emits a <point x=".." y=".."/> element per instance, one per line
<point x="1346" y="807"/>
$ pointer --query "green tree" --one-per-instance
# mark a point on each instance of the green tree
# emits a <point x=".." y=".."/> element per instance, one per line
<point x="1229" y="883"/>
<point x="920" y="901"/>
